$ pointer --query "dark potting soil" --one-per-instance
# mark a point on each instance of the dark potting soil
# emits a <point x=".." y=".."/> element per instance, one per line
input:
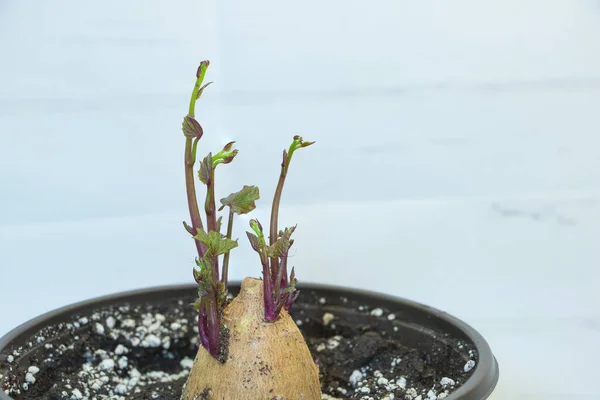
<point x="144" y="352"/>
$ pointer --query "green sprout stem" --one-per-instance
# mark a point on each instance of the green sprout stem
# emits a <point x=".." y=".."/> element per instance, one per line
<point x="273" y="233"/>
<point x="190" y="160"/>
<point x="211" y="216"/>
<point x="225" y="274"/>
<point x="208" y="309"/>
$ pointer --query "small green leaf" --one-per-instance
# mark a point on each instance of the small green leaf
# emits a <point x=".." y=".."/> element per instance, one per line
<point x="225" y="245"/>
<point x="256" y="227"/>
<point x="257" y="239"/>
<point x="202" y="236"/>
<point x="242" y="202"/>
<point x="205" y="171"/>
<point x="202" y="289"/>
<point x="226" y="158"/>
<point x="228" y="146"/>
<point x="276" y="249"/>
<point x="201" y="90"/>
<point x="202" y="69"/>
<point x="282" y="244"/>
<point x="293" y="279"/>
<point x="203" y="272"/>
<point x="188" y="228"/>
<point x="196" y="304"/>
<point x="298" y="143"/>
<point x="201" y="262"/>
<point x="226" y="155"/>
<point x="218" y="224"/>
<point x="216" y="243"/>
<point x="289" y="289"/>
<point x="191" y="128"/>
<point x="254" y="241"/>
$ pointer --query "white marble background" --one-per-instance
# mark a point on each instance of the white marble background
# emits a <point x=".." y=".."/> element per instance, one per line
<point x="457" y="144"/>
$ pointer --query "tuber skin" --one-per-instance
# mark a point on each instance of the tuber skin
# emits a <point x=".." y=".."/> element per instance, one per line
<point x="267" y="360"/>
<point x="250" y="347"/>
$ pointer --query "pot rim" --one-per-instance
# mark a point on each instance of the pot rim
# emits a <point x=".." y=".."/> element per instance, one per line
<point x="479" y="385"/>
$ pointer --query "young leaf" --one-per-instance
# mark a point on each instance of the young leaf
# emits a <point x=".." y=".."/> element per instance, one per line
<point x="188" y="228"/>
<point x="254" y="241"/>
<point x="228" y="146"/>
<point x="289" y="289"/>
<point x="202" y="69"/>
<point x="196" y="304"/>
<point x="197" y="275"/>
<point x="200" y="262"/>
<point x="205" y="169"/>
<point x="225" y="245"/>
<point x="218" y="224"/>
<point x="242" y="202"/>
<point x="226" y="159"/>
<point x="202" y="290"/>
<point x="282" y="244"/>
<point x="191" y="128"/>
<point x="202" y="236"/>
<point x="257" y="228"/>
<point x="299" y="142"/>
<point x="225" y="156"/>
<point x="201" y="90"/>
<point x="277" y="249"/>
<point x="216" y="243"/>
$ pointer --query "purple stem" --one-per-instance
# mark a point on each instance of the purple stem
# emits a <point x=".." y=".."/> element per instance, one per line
<point x="214" y="325"/>
<point x="270" y="314"/>
<point x="208" y="324"/>
<point x="202" y="327"/>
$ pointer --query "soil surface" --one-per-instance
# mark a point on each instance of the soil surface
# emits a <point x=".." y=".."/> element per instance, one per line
<point x="144" y="352"/>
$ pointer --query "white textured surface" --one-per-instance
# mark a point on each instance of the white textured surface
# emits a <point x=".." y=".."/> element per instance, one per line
<point x="457" y="157"/>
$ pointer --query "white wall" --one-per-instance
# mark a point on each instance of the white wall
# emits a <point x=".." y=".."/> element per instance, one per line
<point x="456" y="160"/>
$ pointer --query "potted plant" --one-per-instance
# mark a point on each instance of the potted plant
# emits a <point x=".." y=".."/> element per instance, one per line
<point x="254" y="340"/>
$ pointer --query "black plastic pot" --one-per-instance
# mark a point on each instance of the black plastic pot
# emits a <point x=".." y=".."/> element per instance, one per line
<point x="420" y="325"/>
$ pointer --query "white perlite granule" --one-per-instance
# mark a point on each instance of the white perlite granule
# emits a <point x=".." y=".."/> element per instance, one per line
<point x="99" y="328"/>
<point x="327" y="318"/>
<point x="469" y="365"/>
<point x="110" y="322"/>
<point x="447" y="382"/>
<point x="186" y="363"/>
<point x="123" y="362"/>
<point x="29" y="378"/>
<point x="107" y="365"/>
<point x="401" y="382"/>
<point x="151" y="341"/>
<point x="76" y="395"/>
<point x="378" y="312"/>
<point x="120" y="349"/>
<point x="33" y="370"/>
<point x="355" y="377"/>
